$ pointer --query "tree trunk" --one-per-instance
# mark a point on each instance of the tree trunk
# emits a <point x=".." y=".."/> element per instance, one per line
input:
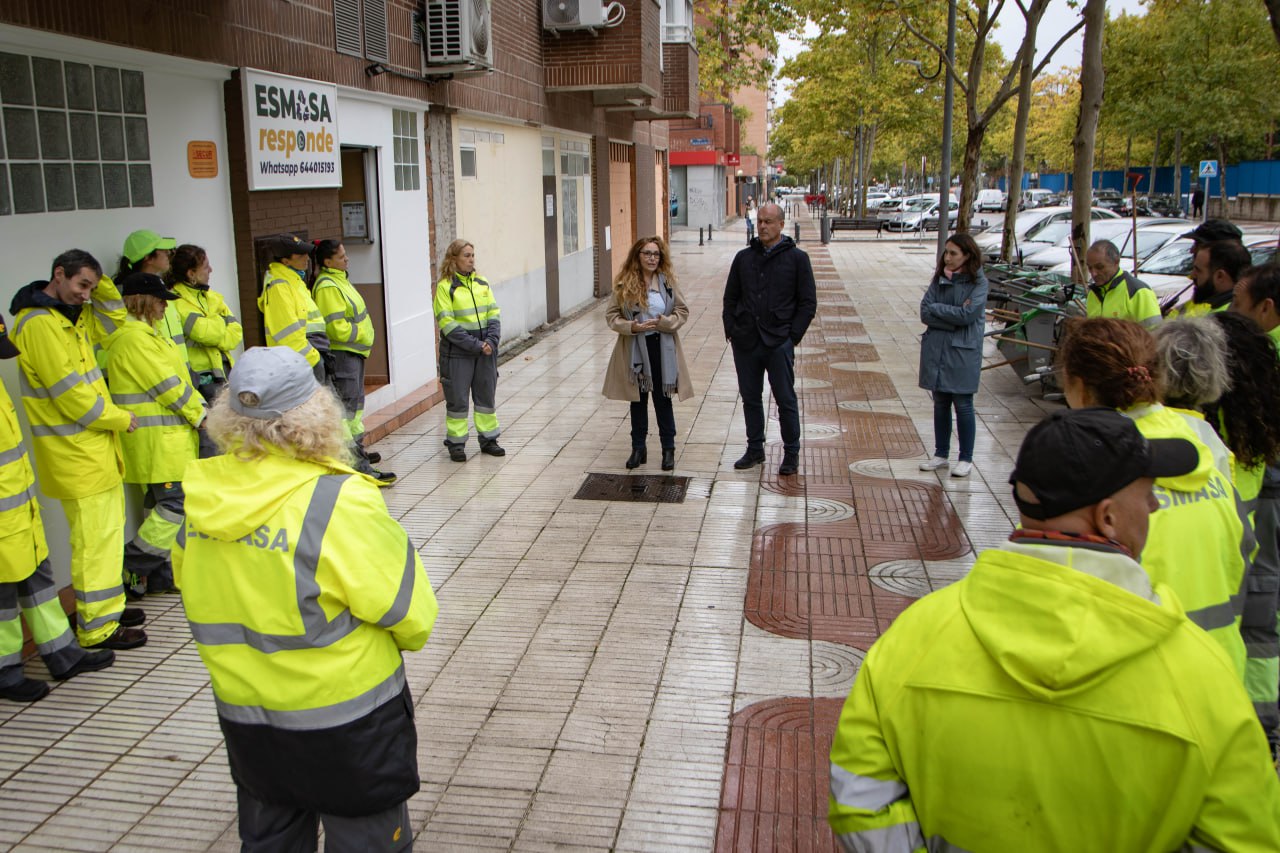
<point x="968" y="178"/>
<point x="868" y="151"/>
<point x="1273" y="7"/>
<point x="1019" y="156"/>
<point x="1177" y="168"/>
<point x="1091" y="81"/>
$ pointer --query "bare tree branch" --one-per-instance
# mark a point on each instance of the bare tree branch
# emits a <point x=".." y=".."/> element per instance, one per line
<point x="1048" y="56"/>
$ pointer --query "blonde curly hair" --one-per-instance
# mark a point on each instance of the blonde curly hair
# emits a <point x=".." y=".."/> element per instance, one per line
<point x="311" y="432"/>
<point x="449" y="263"/>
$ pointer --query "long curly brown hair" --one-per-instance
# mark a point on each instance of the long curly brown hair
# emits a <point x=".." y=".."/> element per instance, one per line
<point x="1245" y="416"/>
<point x="1115" y="359"/>
<point x="629" y="287"/>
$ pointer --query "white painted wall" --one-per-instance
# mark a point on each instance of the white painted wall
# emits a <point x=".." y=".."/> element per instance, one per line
<point x="184" y="103"/>
<point x="401" y="235"/>
<point x="577" y="280"/>
<point x="501" y="212"/>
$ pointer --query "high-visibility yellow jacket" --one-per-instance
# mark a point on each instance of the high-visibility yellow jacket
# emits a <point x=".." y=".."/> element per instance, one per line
<point x="1034" y="706"/>
<point x="1215" y="304"/>
<point x="290" y="315"/>
<point x="22" y="542"/>
<point x="209" y="328"/>
<point x="147" y="376"/>
<point x="74" y="424"/>
<point x="467" y="314"/>
<point x="1125" y="297"/>
<point x="346" y="320"/>
<point x="106" y="311"/>
<point x="300" y="588"/>
<point x="1195" y="541"/>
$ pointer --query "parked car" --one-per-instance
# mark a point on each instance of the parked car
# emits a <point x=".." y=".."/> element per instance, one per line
<point x="1028" y="224"/>
<point x="1108" y="199"/>
<point x="991" y="200"/>
<point x="1152" y="234"/>
<point x="917" y="212"/>
<point x="1034" y="198"/>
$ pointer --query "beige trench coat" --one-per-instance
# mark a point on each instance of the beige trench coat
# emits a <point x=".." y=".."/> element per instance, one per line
<point x="617" y="379"/>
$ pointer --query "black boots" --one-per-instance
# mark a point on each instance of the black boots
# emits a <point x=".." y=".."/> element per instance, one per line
<point x="638" y="457"/>
<point x="750" y="459"/>
<point x="668" y="459"/>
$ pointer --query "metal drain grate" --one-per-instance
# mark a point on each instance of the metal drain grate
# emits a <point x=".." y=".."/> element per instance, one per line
<point x="638" y="489"/>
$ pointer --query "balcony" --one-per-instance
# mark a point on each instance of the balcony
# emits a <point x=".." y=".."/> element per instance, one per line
<point x="679" y="85"/>
<point x="618" y="65"/>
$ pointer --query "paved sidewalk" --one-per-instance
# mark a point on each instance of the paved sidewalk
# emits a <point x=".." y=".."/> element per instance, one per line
<point x="603" y="675"/>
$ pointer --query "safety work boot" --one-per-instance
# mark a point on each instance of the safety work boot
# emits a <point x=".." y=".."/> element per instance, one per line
<point x="122" y="639"/>
<point x="89" y="662"/>
<point x="457" y="453"/>
<point x="26" y="690"/>
<point x="383" y="478"/>
<point x="491" y="448"/>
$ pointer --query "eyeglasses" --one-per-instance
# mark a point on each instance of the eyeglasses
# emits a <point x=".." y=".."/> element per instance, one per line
<point x="650" y="254"/>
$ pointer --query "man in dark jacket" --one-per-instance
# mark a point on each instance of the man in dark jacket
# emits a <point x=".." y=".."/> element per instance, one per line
<point x="769" y="301"/>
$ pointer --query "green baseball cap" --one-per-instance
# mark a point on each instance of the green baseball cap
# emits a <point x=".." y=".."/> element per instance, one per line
<point x="139" y="244"/>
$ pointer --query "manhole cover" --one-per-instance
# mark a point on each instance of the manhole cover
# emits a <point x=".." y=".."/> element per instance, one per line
<point x="644" y="488"/>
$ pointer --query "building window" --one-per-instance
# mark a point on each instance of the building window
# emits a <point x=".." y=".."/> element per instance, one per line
<point x="575" y="193"/>
<point x="677" y="21"/>
<point x="467" y="161"/>
<point x="404" y="138"/>
<point x="73" y="137"/>
<point x="360" y="29"/>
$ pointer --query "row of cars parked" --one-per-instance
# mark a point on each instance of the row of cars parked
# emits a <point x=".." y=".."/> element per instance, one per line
<point x="1042" y="244"/>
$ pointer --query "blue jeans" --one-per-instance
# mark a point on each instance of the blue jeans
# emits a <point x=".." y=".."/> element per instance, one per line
<point x="966" y="424"/>
<point x="661" y="404"/>
<point x="751" y="364"/>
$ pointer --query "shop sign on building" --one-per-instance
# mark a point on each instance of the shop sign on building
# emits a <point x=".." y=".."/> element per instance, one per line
<point x="291" y="127"/>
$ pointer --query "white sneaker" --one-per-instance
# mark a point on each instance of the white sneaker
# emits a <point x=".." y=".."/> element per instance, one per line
<point x="962" y="469"/>
<point x="934" y="464"/>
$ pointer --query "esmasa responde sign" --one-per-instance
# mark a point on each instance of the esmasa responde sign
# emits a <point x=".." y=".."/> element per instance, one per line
<point x="292" y="132"/>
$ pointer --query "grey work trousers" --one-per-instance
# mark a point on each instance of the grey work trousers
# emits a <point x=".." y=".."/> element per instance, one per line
<point x="469" y="379"/>
<point x="271" y="828"/>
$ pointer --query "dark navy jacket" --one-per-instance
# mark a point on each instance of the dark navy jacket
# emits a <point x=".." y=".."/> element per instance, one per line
<point x="770" y="297"/>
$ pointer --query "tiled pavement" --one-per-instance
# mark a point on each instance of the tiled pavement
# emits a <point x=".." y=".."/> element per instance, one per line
<point x="629" y="676"/>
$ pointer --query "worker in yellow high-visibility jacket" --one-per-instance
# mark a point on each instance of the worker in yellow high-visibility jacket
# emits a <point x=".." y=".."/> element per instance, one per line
<point x="289" y="315"/>
<point x="75" y="435"/>
<point x="26" y="578"/>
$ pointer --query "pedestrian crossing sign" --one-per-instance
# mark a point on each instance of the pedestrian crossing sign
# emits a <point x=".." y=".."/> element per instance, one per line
<point x="1208" y="168"/>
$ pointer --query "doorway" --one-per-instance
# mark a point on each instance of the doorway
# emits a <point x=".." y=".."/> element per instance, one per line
<point x="361" y="235"/>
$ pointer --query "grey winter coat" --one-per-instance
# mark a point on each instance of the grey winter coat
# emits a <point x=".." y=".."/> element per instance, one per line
<point x="951" y="349"/>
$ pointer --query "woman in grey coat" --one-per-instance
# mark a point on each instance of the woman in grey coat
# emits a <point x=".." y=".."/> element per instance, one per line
<point x="953" y="310"/>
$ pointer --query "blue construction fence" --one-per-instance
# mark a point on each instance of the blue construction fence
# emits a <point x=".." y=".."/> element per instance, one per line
<point x="1252" y="177"/>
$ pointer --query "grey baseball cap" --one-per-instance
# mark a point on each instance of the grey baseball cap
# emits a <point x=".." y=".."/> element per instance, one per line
<point x="269" y="381"/>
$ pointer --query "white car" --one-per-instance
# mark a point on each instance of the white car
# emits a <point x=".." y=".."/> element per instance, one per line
<point x="1153" y="233"/>
<point x="990" y="201"/>
<point x="917" y="211"/>
<point x="1027" y="223"/>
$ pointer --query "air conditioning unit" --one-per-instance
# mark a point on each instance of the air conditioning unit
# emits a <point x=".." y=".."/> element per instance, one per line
<point x="459" y="32"/>
<point x="581" y="14"/>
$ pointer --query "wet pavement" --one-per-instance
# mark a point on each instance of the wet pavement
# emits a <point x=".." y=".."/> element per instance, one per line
<point x="604" y="674"/>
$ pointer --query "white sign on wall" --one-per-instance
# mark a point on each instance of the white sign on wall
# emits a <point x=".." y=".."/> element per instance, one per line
<point x="291" y="129"/>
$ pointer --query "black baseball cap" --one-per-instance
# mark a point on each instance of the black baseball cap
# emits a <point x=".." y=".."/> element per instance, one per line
<point x="8" y="349"/>
<point x="1076" y="457"/>
<point x="287" y="245"/>
<point x="144" y="284"/>
<point x="1213" y="230"/>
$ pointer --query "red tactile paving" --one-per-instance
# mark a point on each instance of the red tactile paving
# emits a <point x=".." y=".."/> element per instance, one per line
<point x="810" y="581"/>
<point x="776" y="777"/>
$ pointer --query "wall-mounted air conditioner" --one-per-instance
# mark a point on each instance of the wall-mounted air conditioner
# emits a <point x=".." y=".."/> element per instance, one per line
<point x="581" y="14"/>
<point x="459" y="32"/>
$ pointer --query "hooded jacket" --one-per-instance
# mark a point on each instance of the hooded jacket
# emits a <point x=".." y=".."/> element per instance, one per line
<point x="22" y="543"/>
<point x="301" y="592"/>
<point x="770" y="296"/>
<point x="74" y="424"/>
<point x="1196" y="540"/>
<point x="1052" y="700"/>
<point x="209" y="329"/>
<point x="951" y="349"/>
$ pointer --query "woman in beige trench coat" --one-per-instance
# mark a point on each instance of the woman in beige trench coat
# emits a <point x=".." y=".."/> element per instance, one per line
<point x="647" y="311"/>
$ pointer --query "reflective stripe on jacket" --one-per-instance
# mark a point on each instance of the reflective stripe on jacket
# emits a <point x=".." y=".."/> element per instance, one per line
<point x="74" y="424"/>
<point x="1126" y="298"/>
<point x="289" y="315"/>
<point x="211" y="331"/>
<point x="22" y="542"/>
<point x="1195" y="541"/>
<point x="1035" y="706"/>
<point x="106" y="310"/>
<point x="467" y="313"/>
<point x="346" y="319"/>
<point x="148" y="377"/>
<point x="300" y="589"/>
